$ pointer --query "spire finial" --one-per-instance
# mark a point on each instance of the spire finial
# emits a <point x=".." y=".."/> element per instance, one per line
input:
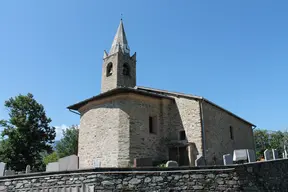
<point x="121" y="16"/>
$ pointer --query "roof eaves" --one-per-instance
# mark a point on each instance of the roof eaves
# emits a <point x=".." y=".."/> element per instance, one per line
<point x="116" y="91"/>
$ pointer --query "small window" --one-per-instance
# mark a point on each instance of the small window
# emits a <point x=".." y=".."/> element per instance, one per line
<point x="231" y="132"/>
<point x="182" y="135"/>
<point x="109" y="69"/>
<point x="126" y="69"/>
<point x="152" y="124"/>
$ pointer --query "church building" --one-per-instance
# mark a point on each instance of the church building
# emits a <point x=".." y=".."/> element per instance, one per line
<point x="126" y="121"/>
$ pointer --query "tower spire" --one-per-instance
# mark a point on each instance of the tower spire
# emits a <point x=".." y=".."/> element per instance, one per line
<point x="120" y="42"/>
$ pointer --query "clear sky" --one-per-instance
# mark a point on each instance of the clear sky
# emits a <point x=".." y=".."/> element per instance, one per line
<point x="234" y="53"/>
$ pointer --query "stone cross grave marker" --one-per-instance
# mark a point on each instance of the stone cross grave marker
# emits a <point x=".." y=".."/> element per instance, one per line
<point x="251" y="155"/>
<point x="268" y="155"/>
<point x="227" y="159"/>
<point x="274" y="154"/>
<point x="2" y="168"/>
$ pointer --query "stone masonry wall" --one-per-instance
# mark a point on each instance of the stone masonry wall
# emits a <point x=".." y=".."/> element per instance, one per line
<point x="217" y="134"/>
<point x="144" y="144"/>
<point x="185" y="115"/>
<point x="98" y="135"/>
<point x="122" y="122"/>
<point x="263" y="176"/>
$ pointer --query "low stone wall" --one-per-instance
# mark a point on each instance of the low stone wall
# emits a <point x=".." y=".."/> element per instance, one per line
<point x="263" y="176"/>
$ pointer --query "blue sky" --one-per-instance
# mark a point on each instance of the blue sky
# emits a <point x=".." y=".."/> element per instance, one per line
<point x="234" y="53"/>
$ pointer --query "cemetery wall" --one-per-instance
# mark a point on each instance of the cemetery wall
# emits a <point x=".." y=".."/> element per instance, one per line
<point x="261" y="176"/>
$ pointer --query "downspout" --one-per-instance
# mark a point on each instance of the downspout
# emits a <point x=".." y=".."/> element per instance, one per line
<point x="203" y="130"/>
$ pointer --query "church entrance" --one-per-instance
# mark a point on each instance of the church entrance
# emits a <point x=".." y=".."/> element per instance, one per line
<point x="179" y="154"/>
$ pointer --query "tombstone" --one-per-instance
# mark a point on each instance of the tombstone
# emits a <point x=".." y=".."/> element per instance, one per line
<point x="251" y="155"/>
<point x="227" y="159"/>
<point x="268" y="155"/>
<point x="28" y="169"/>
<point x="143" y="162"/>
<point x="9" y="172"/>
<point x="200" y="161"/>
<point x="284" y="154"/>
<point x="274" y="154"/>
<point x="96" y="163"/>
<point x="68" y="163"/>
<point x="2" y="168"/>
<point x="52" y="167"/>
<point x="171" y="164"/>
<point x="240" y="155"/>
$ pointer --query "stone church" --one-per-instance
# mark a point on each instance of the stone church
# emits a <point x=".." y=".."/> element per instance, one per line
<point x="126" y="121"/>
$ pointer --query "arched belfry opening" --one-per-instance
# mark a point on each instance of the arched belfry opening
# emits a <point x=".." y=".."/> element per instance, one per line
<point x="126" y="69"/>
<point x="109" y="69"/>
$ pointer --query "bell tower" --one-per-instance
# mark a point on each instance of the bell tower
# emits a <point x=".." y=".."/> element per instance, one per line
<point x="119" y="68"/>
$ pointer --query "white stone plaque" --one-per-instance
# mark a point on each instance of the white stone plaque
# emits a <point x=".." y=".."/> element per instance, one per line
<point x="240" y="155"/>
<point x="52" y="167"/>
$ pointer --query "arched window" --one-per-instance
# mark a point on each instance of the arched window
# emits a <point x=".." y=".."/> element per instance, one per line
<point x="109" y="69"/>
<point x="126" y="69"/>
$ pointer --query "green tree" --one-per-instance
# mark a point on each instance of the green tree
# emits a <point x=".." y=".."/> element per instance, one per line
<point x="53" y="157"/>
<point x="276" y="141"/>
<point x="261" y="138"/>
<point x="26" y="134"/>
<point x="273" y="140"/>
<point x="68" y="145"/>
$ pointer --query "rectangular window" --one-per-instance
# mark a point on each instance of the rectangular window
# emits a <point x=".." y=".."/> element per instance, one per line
<point x="231" y="133"/>
<point x="152" y="124"/>
<point x="182" y="135"/>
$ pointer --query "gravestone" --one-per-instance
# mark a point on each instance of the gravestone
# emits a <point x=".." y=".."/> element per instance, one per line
<point x="143" y="162"/>
<point x="251" y="155"/>
<point x="200" y="161"/>
<point x="2" y="168"/>
<point x="96" y="163"/>
<point x="171" y="164"/>
<point x="50" y="167"/>
<point x="68" y="163"/>
<point x="227" y="159"/>
<point x="285" y="154"/>
<point x="28" y="169"/>
<point x="274" y="154"/>
<point x="240" y="155"/>
<point x="9" y="172"/>
<point x="268" y="155"/>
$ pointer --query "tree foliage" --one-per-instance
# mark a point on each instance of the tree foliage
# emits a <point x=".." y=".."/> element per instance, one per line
<point x="53" y="157"/>
<point x="26" y="134"/>
<point x="68" y="145"/>
<point x="273" y="140"/>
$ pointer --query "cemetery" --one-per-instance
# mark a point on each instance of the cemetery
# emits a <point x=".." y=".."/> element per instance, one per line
<point x="239" y="172"/>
